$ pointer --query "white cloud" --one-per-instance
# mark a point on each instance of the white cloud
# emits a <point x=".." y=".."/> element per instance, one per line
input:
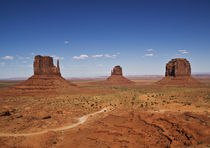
<point x="8" y="57"/>
<point x="110" y="56"/>
<point x="81" y="57"/>
<point x="2" y="64"/>
<point x="32" y="53"/>
<point x="183" y="51"/>
<point x="149" y="55"/>
<point x="149" y="49"/>
<point x="97" y="56"/>
<point x="62" y="58"/>
<point x="66" y="42"/>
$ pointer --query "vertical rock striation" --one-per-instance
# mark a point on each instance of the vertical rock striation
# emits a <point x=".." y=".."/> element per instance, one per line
<point x="178" y="67"/>
<point x="178" y="73"/>
<point x="43" y="65"/>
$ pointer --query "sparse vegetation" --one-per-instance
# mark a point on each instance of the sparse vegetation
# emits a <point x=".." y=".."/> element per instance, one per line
<point x="26" y="113"/>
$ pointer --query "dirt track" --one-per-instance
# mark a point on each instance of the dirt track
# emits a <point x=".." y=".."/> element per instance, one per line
<point x="134" y="128"/>
<point x="81" y="120"/>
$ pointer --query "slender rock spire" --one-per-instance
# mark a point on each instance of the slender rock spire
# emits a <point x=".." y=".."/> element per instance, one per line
<point x="58" y="67"/>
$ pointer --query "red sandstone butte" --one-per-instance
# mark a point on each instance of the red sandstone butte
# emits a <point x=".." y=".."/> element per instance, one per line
<point x="117" y="77"/>
<point x="46" y="78"/>
<point x="178" y="72"/>
<point x="178" y="67"/>
<point x="117" y="70"/>
<point x="43" y="65"/>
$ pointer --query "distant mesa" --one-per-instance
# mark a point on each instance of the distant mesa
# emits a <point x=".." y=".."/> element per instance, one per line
<point x="178" y="72"/>
<point x="46" y="78"/>
<point x="117" y="70"/>
<point x="117" y="77"/>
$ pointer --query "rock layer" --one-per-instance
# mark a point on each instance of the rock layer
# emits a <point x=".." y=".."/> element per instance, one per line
<point x="44" y="84"/>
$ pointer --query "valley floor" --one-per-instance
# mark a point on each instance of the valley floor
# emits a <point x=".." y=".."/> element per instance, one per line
<point x="140" y="115"/>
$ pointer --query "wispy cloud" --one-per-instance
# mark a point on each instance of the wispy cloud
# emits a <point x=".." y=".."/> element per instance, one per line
<point x="149" y="49"/>
<point x="149" y="52"/>
<point x="81" y="57"/>
<point x="149" y="55"/>
<point x="66" y="42"/>
<point x="183" y="51"/>
<point x="97" y="56"/>
<point x="2" y="63"/>
<point x="110" y="56"/>
<point x="8" y="57"/>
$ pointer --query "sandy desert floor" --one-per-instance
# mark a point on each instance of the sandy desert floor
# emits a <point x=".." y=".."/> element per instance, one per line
<point x="140" y="115"/>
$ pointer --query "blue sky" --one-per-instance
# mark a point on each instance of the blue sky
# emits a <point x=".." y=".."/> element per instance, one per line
<point x="91" y="37"/>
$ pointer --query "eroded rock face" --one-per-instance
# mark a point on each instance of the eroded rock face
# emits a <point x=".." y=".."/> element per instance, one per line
<point x="178" y="67"/>
<point x="117" y="77"/>
<point x="117" y="70"/>
<point x="178" y="73"/>
<point x="43" y="65"/>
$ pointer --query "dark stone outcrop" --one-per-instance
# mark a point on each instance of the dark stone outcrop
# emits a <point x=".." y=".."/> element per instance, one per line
<point x="117" y="70"/>
<point x="43" y="65"/>
<point x="117" y="77"/>
<point x="178" y="73"/>
<point x="178" y="67"/>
